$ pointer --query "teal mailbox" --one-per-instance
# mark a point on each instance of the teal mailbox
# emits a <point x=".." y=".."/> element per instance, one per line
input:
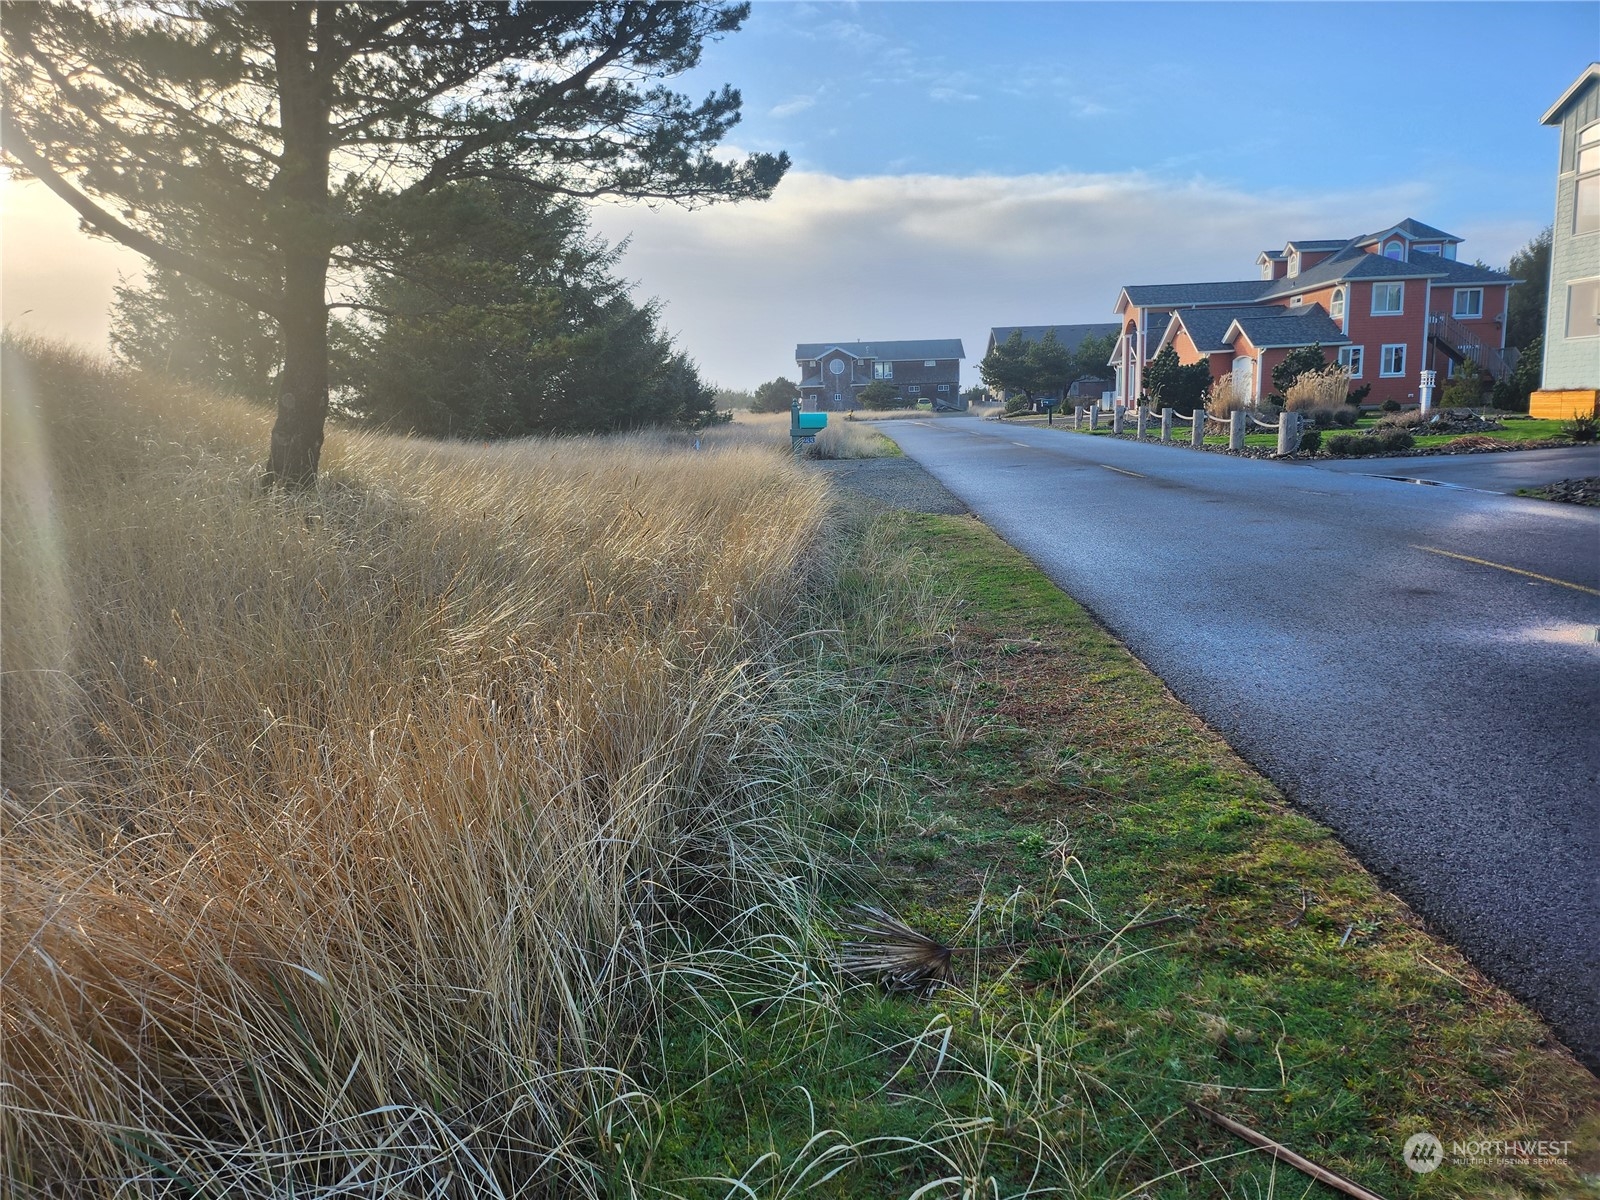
<point x="803" y="426"/>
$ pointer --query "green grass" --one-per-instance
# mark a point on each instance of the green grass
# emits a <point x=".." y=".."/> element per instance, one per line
<point x="1517" y="430"/>
<point x="1047" y="786"/>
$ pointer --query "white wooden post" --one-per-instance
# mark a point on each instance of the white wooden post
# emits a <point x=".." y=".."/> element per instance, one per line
<point x="1425" y="392"/>
<point x="1116" y="418"/>
<point x="1197" y="435"/>
<point x="1236" y="430"/>
<point x="1142" y="422"/>
<point x="1094" y="419"/>
<point x="1166" y="424"/>
<point x="1288" y="432"/>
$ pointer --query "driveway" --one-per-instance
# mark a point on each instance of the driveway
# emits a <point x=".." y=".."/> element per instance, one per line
<point x="1416" y="666"/>
<point x="1496" y="472"/>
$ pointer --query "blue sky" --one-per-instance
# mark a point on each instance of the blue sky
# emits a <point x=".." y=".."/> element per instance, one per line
<point x="962" y="165"/>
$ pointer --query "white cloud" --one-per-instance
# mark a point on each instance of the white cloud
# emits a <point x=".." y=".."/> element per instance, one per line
<point x="790" y="107"/>
<point x="913" y="256"/>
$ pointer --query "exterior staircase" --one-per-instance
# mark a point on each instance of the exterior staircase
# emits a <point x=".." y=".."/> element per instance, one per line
<point x="1458" y="343"/>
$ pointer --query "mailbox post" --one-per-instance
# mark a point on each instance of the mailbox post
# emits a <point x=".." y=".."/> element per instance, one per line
<point x="803" y="426"/>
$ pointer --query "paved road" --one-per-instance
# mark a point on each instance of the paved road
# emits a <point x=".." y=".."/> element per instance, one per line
<point x="1416" y="666"/>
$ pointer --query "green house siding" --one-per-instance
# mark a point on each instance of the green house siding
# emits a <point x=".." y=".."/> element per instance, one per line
<point x="1571" y="363"/>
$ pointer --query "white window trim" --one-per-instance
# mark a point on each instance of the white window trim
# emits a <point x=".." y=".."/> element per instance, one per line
<point x="1359" y="354"/>
<point x="1383" y="356"/>
<point x="883" y="370"/>
<point x="1595" y="327"/>
<point x="1587" y="136"/>
<point x="1455" y="307"/>
<point x="913" y="390"/>
<point x="1396" y="244"/>
<point x="1338" y="304"/>
<point x="1389" y="312"/>
<point x="1294" y="264"/>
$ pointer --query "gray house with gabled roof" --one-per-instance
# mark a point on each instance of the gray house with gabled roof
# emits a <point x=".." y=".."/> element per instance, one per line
<point x="832" y="374"/>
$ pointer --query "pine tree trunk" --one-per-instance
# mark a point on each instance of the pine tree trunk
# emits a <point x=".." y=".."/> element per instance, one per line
<point x="306" y="243"/>
<point x="303" y="400"/>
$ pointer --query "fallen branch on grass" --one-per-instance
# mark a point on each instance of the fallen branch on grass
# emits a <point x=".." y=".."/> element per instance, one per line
<point x="1283" y="1153"/>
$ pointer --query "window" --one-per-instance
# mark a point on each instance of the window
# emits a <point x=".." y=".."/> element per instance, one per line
<point x="1393" y="361"/>
<point x="1429" y="249"/>
<point x="1388" y="299"/>
<point x="1296" y="301"/>
<point x="1350" y="359"/>
<point x="1469" y="303"/>
<point x="883" y="370"/>
<point x="1294" y="264"/>
<point x="1586" y="215"/>
<point x="944" y="387"/>
<point x="1266" y="268"/>
<point x="1583" y="309"/>
<point x="1395" y="250"/>
<point x="914" y="390"/>
<point x="928" y="362"/>
<point x="1336" y="305"/>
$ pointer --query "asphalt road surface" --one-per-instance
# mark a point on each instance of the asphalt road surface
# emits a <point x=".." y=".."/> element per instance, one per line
<point x="1415" y="666"/>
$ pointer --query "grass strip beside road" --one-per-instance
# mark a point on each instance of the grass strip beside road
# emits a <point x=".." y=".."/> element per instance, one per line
<point x="1055" y="794"/>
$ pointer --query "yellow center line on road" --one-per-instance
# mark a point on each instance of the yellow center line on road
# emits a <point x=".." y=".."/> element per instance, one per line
<point x="1120" y="471"/>
<point x="1483" y="562"/>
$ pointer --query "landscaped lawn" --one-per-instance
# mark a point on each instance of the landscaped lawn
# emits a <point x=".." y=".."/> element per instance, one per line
<point x="1515" y="429"/>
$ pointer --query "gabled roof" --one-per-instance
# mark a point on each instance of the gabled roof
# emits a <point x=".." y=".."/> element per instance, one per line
<point x="1070" y="336"/>
<point x="1171" y="295"/>
<point x="1205" y="326"/>
<point x="890" y="351"/>
<point x="1460" y="274"/>
<point x="1278" y="328"/>
<point x="1272" y="256"/>
<point x="1553" y="116"/>
<point x="1318" y="247"/>
<point x="1352" y="264"/>
<point x="1413" y="229"/>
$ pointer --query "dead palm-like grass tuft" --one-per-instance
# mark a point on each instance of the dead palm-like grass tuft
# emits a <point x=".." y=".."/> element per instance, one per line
<point x="894" y="953"/>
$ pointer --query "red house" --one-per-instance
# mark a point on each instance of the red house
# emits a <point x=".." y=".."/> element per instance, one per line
<point x="1390" y="305"/>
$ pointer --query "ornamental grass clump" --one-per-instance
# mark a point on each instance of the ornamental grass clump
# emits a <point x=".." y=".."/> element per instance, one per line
<point x="1221" y="398"/>
<point x="350" y="835"/>
<point x="1320" y="396"/>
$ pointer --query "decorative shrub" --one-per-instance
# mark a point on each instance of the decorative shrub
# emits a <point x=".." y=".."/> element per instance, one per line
<point x="1580" y="429"/>
<point x="1362" y="445"/>
<point x="1310" y="441"/>
<point x="1391" y="406"/>
<point x="1359" y="395"/>
<point x="1404" y="420"/>
<point x="1326" y="388"/>
<point x="1220" y="400"/>
<point x="1347" y="417"/>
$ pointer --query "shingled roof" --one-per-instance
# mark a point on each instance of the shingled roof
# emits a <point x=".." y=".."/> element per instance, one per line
<point x="1205" y="326"/>
<point x="1274" y="328"/>
<point x="1352" y="264"/>
<point x="1413" y="229"/>
<point x="1164" y="295"/>
<point x="891" y="351"/>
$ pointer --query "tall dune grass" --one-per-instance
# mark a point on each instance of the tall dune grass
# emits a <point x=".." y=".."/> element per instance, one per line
<point x="349" y="835"/>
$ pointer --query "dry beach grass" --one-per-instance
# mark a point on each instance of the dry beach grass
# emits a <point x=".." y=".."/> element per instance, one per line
<point x="347" y="834"/>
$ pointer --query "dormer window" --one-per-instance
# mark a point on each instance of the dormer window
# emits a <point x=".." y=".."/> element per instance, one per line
<point x="1395" y="250"/>
<point x="1266" y="268"/>
<point x="1294" y="264"/>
